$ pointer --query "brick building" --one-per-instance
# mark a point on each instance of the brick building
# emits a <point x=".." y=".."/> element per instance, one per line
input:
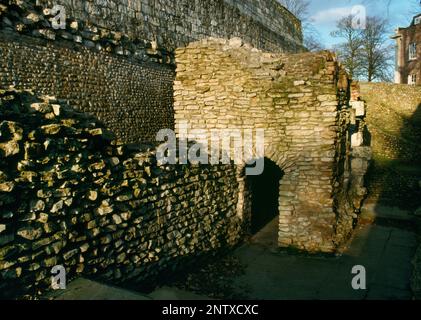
<point x="408" y="53"/>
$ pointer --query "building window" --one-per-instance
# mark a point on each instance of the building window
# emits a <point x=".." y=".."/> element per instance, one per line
<point x="412" y="79"/>
<point x="412" y="51"/>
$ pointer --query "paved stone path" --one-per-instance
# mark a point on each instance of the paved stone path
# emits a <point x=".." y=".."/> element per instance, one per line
<point x="384" y="249"/>
<point x="84" y="289"/>
<point x="386" y="253"/>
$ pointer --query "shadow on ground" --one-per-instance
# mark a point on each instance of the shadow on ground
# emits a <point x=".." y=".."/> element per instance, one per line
<point x="258" y="270"/>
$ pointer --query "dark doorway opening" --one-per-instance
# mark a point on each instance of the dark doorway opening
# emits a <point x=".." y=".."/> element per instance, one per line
<point x="265" y="196"/>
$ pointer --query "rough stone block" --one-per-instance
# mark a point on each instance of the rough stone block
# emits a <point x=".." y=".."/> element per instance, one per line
<point x="357" y="139"/>
<point x="359" y="107"/>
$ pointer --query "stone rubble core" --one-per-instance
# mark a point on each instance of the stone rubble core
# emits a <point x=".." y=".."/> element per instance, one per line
<point x="70" y="195"/>
<point x="313" y="130"/>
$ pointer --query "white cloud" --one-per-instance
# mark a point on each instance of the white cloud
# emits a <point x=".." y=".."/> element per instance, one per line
<point x="330" y="15"/>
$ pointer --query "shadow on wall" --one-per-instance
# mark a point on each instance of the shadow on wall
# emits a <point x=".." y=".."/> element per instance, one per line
<point x="398" y="180"/>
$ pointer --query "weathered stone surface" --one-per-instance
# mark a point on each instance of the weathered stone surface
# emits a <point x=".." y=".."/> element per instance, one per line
<point x="84" y="198"/>
<point x="11" y="133"/>
<point x="359" y="107"/>
<point x="7" y="186"/>
<point x="92" y="195"/>
<point x="393" y="120"/>
<point x="357" y="139"/>
<point x="122" y="58"/>
<point x="30" y="233"/>
<point x="263" y="23"/>
<point x="37" y="205"/>
<point x="57" y="206"/>
<point x="295" y="99"/>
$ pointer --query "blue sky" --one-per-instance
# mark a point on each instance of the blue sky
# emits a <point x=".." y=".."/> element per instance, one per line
<point x="325" y="13"/>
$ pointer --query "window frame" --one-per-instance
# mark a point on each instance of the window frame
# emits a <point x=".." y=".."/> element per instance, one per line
<point x="412" y="51"/>
<point x="412" y="79"/>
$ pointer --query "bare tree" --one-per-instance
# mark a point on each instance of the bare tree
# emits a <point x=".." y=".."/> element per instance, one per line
<point x="350" y="50"/>
<point x="377" y="52"/>
<point x="366" y="53"/>
<point x="312" y="42"/>
<point x="301" y="9"/>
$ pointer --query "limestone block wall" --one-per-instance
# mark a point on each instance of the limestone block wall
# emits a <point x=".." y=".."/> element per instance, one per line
<point x="302" y="103"/>
<point x="72" y="196"/>
<point x="264" y="23"/>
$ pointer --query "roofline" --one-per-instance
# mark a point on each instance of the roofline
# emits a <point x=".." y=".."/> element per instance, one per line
<point x="411" y="24"/>
<point x="413" y="19"/>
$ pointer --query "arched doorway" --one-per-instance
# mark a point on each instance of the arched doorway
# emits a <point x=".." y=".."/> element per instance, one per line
<point x="264" y="196"/>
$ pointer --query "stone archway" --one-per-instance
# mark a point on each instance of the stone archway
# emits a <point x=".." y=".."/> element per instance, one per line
<point x="287" y="197"/>
<point x="277" y="185"/>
